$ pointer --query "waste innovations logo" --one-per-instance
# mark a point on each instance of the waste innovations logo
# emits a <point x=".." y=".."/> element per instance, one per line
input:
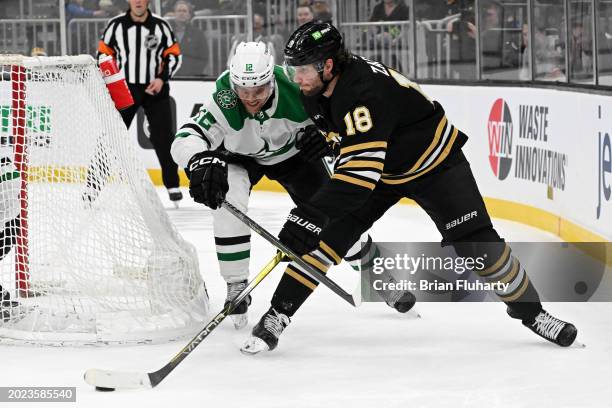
<point x="499" y="129"/>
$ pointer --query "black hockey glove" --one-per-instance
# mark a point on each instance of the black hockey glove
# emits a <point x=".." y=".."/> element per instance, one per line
<point x="301" y="230"/>
<point x="208" y="179"/>
<point x="312" y="144"/>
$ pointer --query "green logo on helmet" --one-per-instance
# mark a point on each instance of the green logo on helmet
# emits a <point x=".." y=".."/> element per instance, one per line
<point x="317" y="35"/>
<point x="249" y="68"/>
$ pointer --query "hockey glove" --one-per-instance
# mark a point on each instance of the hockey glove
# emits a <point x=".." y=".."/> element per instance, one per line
<point x="208" y="179"/>
<point x="312" y="144"/>
<point x="301" y="230"/>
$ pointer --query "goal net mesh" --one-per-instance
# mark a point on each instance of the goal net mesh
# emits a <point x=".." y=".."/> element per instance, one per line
<point x="89" y="255"/>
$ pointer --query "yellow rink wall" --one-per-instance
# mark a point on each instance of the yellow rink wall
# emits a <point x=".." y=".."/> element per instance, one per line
<point x="508" y="210"/>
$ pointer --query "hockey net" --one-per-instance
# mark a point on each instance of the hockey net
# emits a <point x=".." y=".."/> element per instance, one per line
<point x="89" y="253"/>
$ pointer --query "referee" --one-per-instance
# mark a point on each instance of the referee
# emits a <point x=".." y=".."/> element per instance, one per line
<point x="146" y="50"/>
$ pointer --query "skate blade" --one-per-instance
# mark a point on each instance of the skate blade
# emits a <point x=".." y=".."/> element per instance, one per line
<point x="577" y="344"/>
<point x="240" y="320"/>
<point x="414" y="313"/>
<point x="176" y="205"/>
<point x="253" y="345"/>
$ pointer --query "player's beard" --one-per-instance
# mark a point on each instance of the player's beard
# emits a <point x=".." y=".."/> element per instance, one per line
<point x="315" y="90"/>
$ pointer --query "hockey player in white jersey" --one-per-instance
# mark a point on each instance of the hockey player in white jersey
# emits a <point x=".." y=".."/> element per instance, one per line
<point x="252" y="125"/>
<point x="10" y="184"/>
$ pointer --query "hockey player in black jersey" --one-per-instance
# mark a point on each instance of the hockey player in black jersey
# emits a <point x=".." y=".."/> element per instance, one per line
<point x="394" y="142"/>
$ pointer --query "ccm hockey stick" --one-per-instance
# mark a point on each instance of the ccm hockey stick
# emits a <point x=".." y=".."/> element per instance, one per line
<point x="354" y="299"/>
<point x="105" y="380"/>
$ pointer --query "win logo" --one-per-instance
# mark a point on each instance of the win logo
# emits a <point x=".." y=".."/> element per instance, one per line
<point x="499" y="129"/>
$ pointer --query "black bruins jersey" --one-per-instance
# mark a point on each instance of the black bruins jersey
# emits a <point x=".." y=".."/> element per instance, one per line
<point x="389" y="132"/>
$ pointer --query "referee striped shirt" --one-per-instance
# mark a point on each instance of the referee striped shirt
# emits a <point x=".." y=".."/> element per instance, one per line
<point x="143" y="50"/>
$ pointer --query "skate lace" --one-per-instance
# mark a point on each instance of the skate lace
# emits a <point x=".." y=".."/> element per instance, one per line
<point x="548" y="326"/>
<point x="276" y="322"/>
<point x="394" y="297"/>
<point x="234" y="289"/>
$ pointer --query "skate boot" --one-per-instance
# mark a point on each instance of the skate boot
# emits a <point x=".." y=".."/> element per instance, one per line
<point x="175" y="196"/>
<point x="552" y="329"/>
<point x="9" y="309"/>
<point x="239" y="315"/>
<point x="400" y="300"/>
<point x="265" y="334"/>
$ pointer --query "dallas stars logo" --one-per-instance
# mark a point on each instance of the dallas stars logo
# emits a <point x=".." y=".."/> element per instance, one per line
<point x="227" y="99"/>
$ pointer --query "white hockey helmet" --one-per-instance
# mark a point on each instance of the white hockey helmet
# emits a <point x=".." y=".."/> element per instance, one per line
<point x="252" y="65"/>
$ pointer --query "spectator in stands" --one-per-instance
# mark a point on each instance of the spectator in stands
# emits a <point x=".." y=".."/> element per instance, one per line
<point x="321" y="11"/>
<point x="275" y="42"/>
<point x="192" y="42"/>
<point x="76" y="9"/>
<point x="492" y="38"/>
<point x="304" y="14"/>
<point x="390" y="36"/>
<point x="112" y="7"/>
<point x="390" y="10"/>
<point x="548" y="64"/>
<point x="463" y="39"/>
<point x="433" y="10"/>
<point x="580" y="52"/>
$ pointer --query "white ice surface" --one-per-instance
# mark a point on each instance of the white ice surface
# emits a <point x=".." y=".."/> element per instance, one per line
<point x="457" y="355"/>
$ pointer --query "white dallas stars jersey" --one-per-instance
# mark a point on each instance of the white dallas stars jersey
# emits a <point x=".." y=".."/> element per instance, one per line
<point x="268" y="137"/>
<point x="10" y="184"/>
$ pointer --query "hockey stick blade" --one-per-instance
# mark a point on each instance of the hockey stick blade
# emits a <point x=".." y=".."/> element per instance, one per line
<point x="353" y="298"/>
<point x="116" y="379"/>
<point x="110" y="380"/>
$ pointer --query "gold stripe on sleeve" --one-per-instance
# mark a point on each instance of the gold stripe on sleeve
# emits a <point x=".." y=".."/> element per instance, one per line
<point x="353" y="180"/>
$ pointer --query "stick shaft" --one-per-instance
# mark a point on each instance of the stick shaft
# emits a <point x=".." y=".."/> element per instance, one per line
<point x="157" y="376"/>
<point x="312" y="272"/>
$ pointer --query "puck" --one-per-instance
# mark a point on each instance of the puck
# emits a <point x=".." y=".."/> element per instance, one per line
<point x="104" y="389"/>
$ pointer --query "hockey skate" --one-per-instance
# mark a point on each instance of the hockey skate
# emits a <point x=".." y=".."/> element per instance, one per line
<point x="265" y="334"/>
<point x="550" y="328"/>
<point x="239" y="315"/>
<point x="175" y="196"/>
<point x="9" y="309"/>
<point x="400" y="300"/>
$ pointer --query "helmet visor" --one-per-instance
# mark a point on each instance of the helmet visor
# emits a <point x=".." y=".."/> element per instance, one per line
<point x="300" y="73"/>
<point x="254" y="93"/>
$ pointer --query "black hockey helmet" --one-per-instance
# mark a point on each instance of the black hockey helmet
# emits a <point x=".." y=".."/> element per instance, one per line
<point x="312" y="43"/>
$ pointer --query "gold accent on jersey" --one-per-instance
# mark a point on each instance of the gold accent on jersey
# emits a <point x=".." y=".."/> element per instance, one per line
<point x="518" y="293"/>
<point x="516" y="266"/>
<point x="498" y="264"/>
<point x="432" y="146"/>
<point x="353" y="180"/>
<point x="316" y="263"/>
<point x="331" y="136"/>
<point x="406" y="83"/>
<point x="439" y="160"/>
<point x="330" y="252"/>
<point x="363" y="146"/>
<point x="362" y="163"/>
<point x="295" y="275"/>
